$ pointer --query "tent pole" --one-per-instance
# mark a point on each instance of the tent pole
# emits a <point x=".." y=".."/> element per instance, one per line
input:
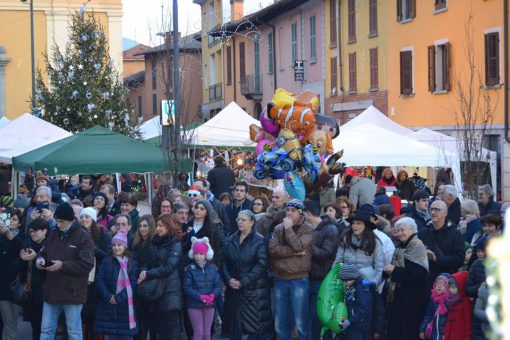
<point x="14" y="185"/>
<point x="117" y="178"/>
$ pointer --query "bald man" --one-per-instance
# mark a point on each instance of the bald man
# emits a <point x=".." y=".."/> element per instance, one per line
<point x="445" y="247"/>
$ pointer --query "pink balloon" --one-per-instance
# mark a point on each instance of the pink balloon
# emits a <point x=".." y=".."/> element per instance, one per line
<point x="268" y="124"/>
<point x="260" y="145"/>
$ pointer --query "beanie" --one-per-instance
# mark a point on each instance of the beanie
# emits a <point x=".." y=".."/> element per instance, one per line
<point x="90" y="212"/>
<point x="295" y="203"/>
<point x="64" y="212"/>
<point x="120" y="237"/>
<point x="106" y="201"/>
<point x="201" y="246"/>
<point x="21" y="202"/>
<point x="349" y="272"/>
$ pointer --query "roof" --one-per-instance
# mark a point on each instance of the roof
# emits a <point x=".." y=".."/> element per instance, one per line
<point x="132" y="53"/>
<point x="187" y="43"/>
<point x="264" y="15"/>
<point x="134" y="79"/>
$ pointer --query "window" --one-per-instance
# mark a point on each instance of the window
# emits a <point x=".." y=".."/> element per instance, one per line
<point x="313" y="40"/>
<point x="352" y="73"/>
<point x="154" y="104"/>
<point x="270" y="52"/>
<point x="242" y="62"/>
<point x="332" y="23"/>
<point x="374" y="69"/>
<point x="492" y="59"/>
<point x="280" y="38"/>
<point x="154" y="75"/>
<point x="439" y="4"/>
<point x="406" y="73"/>
<point x="372" y="22"/>
<point x="351" y="21"/>
<point x="406" y="10"/>
<point x="333" y="76"/>
<point x="439" y="68"/>
<point x="294" y="42"/>
<point x="229" y="65"/>
<point x="256" y="49"/>
<point x="140" y="112"/>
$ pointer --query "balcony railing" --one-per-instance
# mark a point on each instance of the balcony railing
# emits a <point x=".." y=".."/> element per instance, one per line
<point x="251" y="86"/>
<point x="215" y="92"/>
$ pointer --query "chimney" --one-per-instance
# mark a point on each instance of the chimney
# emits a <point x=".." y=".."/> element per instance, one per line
<point x="169" y="38"/>
<point x="236" y="10"/>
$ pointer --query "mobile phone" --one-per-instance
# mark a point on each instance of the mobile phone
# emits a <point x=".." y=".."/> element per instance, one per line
<point x="48" y="263"/>
<point x="39" y="206"/>
<point x="5" y="218"/>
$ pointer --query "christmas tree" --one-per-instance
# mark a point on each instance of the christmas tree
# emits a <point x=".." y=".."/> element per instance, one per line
<point x="83" y="89"/>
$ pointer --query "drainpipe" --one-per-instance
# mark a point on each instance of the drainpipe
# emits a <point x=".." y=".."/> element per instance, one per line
<point x="234" y="62"/>
<point x="505" y="34"/>
<point x="340" y="56"/>
<point x="274" y="50"/>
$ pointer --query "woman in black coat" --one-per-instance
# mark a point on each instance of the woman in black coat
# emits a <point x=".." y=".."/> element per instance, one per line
<point x="166" y="257"/>
<point x="407" y="293"/>
<point x="244" y="271"/>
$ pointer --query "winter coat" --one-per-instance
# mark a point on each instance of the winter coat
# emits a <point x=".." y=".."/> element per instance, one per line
<point x="387" y="245"/>
<point x="38" y="275"/>
<point x="475" y="279"/>
<point x="361" y="191"/>
<point x="491" y="208"/>
<point x="200" y="281"/>
<point x="263" y="223"/>
<point x="439" y="321"/>
<point x="221" y="179"/>
<point x="324" y="249"/>
<point x="219" y="208"/>
<point x="385" y="183"/>
<point x="142" y="252"/>
<point x="472" y="228"/>
<point x="447" y="245"/>
<point x="216" y="238"/>
<point x="459" y="318"/>
<point x="454" y="212"/>
<point x="370" y="266"/>
<point x="134" y="214"/>
<point x="479" y="313"/>
<point x="232" y="212"/>
<point x="359" y="299"/>
<point x="406" y="189"/>
<point x="114" y="319"/>
<point x="404" y="318"/>
<point x="166" y="254"/>
<point x="249" y="307"/>
<point x="9" y="264"/>
<point x="381" y="199"/>
<point x="75" y="248"/>
<point x="283" y="246"/>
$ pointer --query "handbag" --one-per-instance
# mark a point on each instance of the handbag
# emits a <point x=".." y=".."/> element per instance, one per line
<point x="151" y="290"/>
<point x="19" y="292"/>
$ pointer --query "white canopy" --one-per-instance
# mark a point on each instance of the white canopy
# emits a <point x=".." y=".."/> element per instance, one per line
<point x="376" y="117"/>
<point x="229" y="128"/>
<point x="4" y="121"/>
<point x="27" y="133"/>
<point x="368" y="144"/>
<point x="151" y="128"/>
<point x="453" y="145"/>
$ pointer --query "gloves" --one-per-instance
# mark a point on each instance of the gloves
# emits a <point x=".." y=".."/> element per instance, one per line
<point x="204" y="299"/>
<point x="344" y="324"/>
<point x="211" y="299"/>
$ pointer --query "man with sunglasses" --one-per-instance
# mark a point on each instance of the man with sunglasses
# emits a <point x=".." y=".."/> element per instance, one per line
<point x="241" y="202"/>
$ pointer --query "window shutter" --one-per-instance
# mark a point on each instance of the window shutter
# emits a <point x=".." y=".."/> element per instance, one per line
<point x="333" y="74"/>
<point x="399" y="10"/>
<point x="372" y="29"/>
<point x="374" y="69"/>
<point x="492" y="59"/>
<point x="352" y="73"/>
<point x="332" y="22"/>
<point x="412" y="10"/>
<point x="446" y="67"/>
<point x="352" y="20"/>
<point x="242" y="67"/>
<point x="406" y="73"/>
<point x="432" y="68"/>
<point x="229" y="65"/>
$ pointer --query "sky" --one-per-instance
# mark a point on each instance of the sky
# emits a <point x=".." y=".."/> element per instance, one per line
<point x="143" y="19"/>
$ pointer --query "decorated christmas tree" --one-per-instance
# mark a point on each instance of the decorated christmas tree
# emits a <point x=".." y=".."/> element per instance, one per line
<point x="83" y="89"/>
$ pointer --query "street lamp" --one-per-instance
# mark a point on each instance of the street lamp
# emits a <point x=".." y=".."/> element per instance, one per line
<point x="32" y="55"/>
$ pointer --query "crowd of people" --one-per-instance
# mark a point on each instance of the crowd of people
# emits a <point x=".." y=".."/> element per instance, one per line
<point x="89" y="266"/>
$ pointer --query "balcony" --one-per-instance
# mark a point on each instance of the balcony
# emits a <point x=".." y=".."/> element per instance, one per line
<point x="215" y="92"/>
<point x="251" y="86"/>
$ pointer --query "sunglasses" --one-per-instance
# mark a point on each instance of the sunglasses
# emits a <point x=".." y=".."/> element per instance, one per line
<point x="193" y="195"/>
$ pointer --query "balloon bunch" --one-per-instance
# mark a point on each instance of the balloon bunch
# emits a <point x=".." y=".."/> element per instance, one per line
<point x="295" y="143"/>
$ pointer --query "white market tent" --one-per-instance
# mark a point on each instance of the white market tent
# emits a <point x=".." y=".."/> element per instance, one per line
<point x="452" y="144"/>
<point x="368" y="143"/>
<point x="4" y="121"/>
<point x="27" y="133"/>
<point x="151" y="128"/>
<point x="376" y="117"/>
<point x="229" y="128"/>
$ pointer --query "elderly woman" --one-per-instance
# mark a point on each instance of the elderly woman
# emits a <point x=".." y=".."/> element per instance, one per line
<point x="406" y="187"/>
<point x="470" y="220"/>
<point x="407" y="283"/>
<point x="360" y="246"/>
<point x="486" y="202"/>
<point x="244" y="271"/>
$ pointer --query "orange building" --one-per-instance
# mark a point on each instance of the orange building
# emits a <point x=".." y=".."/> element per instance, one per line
<point x="133" y="62"/>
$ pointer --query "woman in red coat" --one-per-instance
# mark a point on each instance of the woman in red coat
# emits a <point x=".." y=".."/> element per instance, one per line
<point x="458" y="321"/>
<point x="387" y="179"/>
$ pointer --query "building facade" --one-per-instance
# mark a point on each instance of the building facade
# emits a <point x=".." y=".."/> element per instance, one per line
<point x="133" y="62"/>
<point x="51" y="20"/>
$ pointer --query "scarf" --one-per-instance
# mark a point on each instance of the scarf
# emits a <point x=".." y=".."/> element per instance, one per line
<point x="123" y="282"/>
<point x="389" y="181"/>
<point x="440" y="299"/>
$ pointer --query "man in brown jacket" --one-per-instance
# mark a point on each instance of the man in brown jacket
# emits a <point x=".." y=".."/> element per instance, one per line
<point x="68" y="258"/>
<point x="290" y="249"/>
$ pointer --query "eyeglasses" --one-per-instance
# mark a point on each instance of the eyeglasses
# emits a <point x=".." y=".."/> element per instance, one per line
<point x="435" y="209"/>
<point x="257" y="203"/>
<point x="192" y="195"/>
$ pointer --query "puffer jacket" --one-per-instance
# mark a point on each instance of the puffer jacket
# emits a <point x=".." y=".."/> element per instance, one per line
<point x="9" y="264"/>
<point x="360" y="302"/>
<point x="325" y="245"/>
<point x="438" y="321"/>
<point x="480" y="315"/>
<point x="371" y="266"/>
<point x="250" y="306"/>
<point x="283" y="246"/>
<point x="200" y="281"/>
<point x="166" y="254"/>
<point x="114" y="319"/>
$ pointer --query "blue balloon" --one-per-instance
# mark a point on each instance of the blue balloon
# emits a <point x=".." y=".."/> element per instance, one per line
<point x="294" y="185"/>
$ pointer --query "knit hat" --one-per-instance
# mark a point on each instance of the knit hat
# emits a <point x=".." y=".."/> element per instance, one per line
<point x="121" y="237"/>
<point x="349" y="272"/>
<point x="481" y="243"/>
<point x="295" y="203"/>
<point x="106" y="201"/>
<point x="442" y="277"/>
<point x="90" y="212"/>
<point x="193" y="191"/>
<point x="201" y="246"/>
<point x="21" y="202"/>
<point x="64" y="212"/>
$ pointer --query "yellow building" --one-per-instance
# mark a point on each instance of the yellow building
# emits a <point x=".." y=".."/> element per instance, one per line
<point x="356" y="57"/>
<point x="51" y="19"/>
<point x="428" y="48"/>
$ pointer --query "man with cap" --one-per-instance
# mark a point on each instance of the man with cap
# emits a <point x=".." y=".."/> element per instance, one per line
<point x="67" y="257"/>
<point x="420" y="211"/>
<point x="290" y="249"/>
<point x="325" y="246"/>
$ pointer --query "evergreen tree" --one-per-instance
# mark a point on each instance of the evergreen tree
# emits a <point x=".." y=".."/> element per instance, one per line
<point x="83" y="88"/>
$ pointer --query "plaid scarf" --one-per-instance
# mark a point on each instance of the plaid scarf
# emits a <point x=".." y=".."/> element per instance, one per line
<point x="123" y="282"/>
